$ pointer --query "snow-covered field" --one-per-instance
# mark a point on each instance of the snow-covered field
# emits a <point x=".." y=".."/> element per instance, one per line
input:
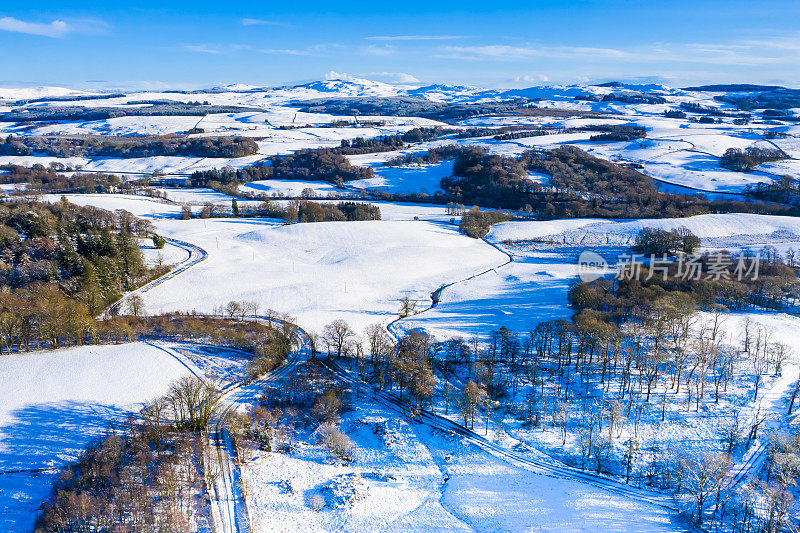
<point x="55" y="402"/>
<point x="738" y="228"/>
<point x="406" y="179"/>
<point x="289" y="188"/>
<point x="357" y="271"/>
<point x="408" y="477"/>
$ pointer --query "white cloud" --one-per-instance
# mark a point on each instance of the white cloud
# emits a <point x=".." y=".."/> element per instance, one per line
<point x="201" y="48"/>
<point x="333" y="75"/>
<point x="739" y="53"/>
<point x="380" y="51"/>
<point x="505" y="52"/>
<point x="391" y="77"/>
<point x="260" y="22"/>
<point x="415" y="37"/>
<point x="285" y="51"/>
<point x="56" y="28"/>
<point x="532" y="78"/>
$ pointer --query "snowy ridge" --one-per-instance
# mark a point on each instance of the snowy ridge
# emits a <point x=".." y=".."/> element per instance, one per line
<point x="712" y="228"/>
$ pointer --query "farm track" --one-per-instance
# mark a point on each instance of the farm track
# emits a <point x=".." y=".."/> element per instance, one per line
<point x="435" y="296"/>
<point x="196" y="255"/>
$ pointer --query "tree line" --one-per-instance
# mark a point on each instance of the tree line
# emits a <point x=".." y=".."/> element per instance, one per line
<point x="39" y="178"/>
<point x="295" y="211"/>
<point x="156" y="108"/>
<point x="62" y="265"/>
<point x="580" y="185"/>
<point x="127" y="147"/>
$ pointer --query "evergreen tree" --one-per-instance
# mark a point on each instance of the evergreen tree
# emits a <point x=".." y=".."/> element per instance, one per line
<point x="92" y="295"/>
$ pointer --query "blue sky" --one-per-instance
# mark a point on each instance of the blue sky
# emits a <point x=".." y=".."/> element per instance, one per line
<point x="178" y="44"/>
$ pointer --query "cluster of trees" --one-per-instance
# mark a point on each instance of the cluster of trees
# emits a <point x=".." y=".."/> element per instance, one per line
<point x="307" y="211"/>
<point x="660" y="242"/>
<point x="506" y="132"/>
<point x="151" y="476"/>
<point x="628" y="97"/>
<point x="785" y="190"/>
<point x="229" y="176"/>
<point x="50" y="180"/>
<point x="591" y="379"/>
<point x="317" y="165"/>
<point x="580" y="185"/>
<point x="770" y="98"/>
<point x="483" y="132"/>
<point x="714" y="111"/>
<point x="407" y="106"/>
<point x="775" y="286"/>
<point x="387" y="143"/>
<point x="293" y="212"/>
<point x="131" y="481"/>
<point x="105" y="146"/>
<point x="618" y="133"/>
<point x="510" y="136"/>
<point x="322" y="164"/>
<point x="476" y="222"/>
<point x="480" y="178"/>
<point x="405" y="364"/>
<point x="362" y="145"/>
<point x="749" y="158"/>
<point x="432" y="156"/>
<point x="64" y="262"/>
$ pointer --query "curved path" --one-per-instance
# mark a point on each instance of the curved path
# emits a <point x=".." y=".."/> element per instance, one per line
<point x="436" y="295"/>
<point x="196" y="254"/>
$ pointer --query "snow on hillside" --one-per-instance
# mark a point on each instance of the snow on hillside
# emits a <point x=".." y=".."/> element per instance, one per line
<point x="357" y="271"/>
<point x="319" y="272"/>
<point x="288" y="187"/>
<point x="529" y="290"/>
<point x="407" y="477"/>
<point x="712" y="228"/>
<point x="533" y="287"/>
<point x="24" y="93"/>
<point x="141" y="206"/>
<point x="347" y="86"/>
<point x="404" y="179"/>
<point x="44" y="160"/>
<point x="682" y="153"/>
<point x="55" y="402"/>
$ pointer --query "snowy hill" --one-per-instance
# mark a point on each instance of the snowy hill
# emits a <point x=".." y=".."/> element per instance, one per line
<point x="346" y="86"/>
<point x="24" y="93"/>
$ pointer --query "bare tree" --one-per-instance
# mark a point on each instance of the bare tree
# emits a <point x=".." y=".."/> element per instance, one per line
<point x="193" y="402"/>
<point x="135" y="304"/>
<point x="337" y="337"/>
<point x="469" y="402"/>
<point x="407" y="306"/>
<point x="702" y="476"/>
<point x="233" y="309"/>
<point x="378" y="342"/>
